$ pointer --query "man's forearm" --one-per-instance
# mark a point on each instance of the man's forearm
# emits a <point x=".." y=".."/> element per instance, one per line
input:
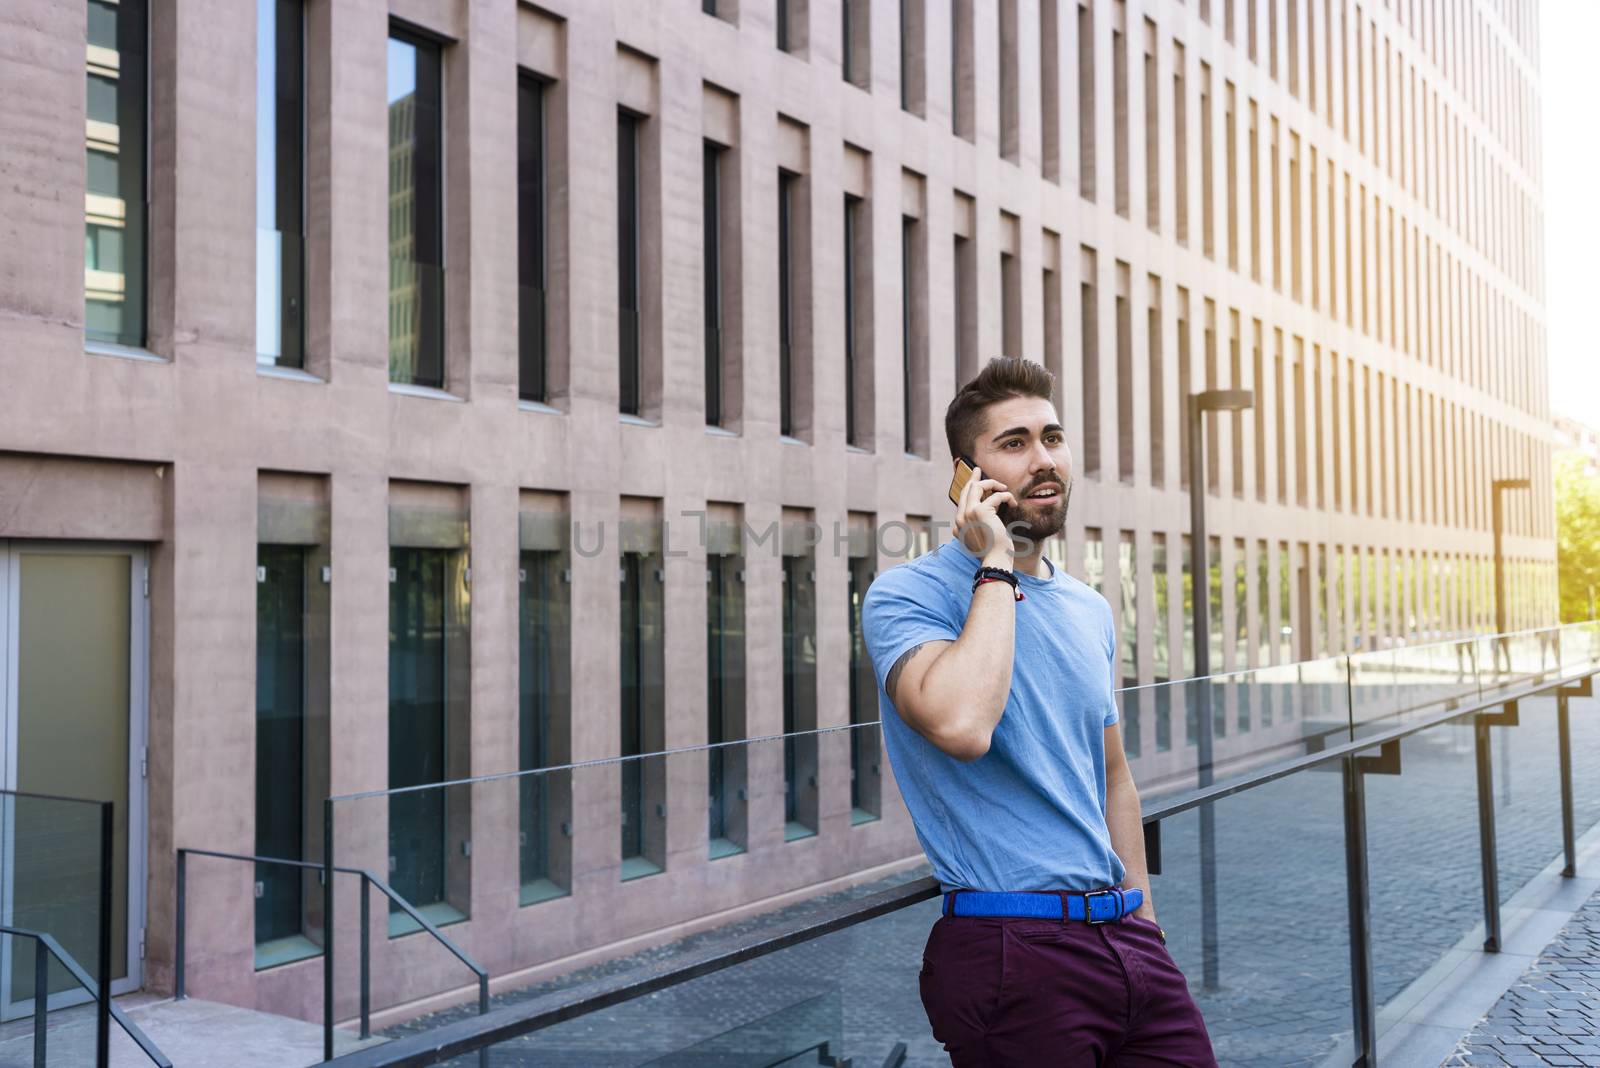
<point x="972" y="678"/>
<point x="1124" y="819"/>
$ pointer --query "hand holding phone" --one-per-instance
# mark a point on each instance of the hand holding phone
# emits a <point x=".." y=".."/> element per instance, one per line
<point x="964" y="468"/>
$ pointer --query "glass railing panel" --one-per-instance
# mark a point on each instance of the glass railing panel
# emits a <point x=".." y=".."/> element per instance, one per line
<point x="1197" y="732"/>
<point x="1393" y="687"/>
<point x="856" y="990"/>
<point x="50" y="864"/>
<point x="1272" y="973"/>
<point x="1423" y="856"/>
<point x="1579" y="647"/>
<point x="528" y="869"/>
<point x="1525" y="766"/>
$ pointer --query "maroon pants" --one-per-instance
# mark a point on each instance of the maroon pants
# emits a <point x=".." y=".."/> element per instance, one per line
<point x="1021" y="993"/>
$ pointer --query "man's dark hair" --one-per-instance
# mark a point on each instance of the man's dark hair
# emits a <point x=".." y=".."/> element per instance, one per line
<point x="1004" y="377"/>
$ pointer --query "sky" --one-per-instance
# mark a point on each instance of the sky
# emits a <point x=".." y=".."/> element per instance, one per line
<point x="1568" y="30"/>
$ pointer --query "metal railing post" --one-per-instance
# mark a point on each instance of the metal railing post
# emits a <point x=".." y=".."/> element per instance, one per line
<point x="1486" y="837"/>
<point x="179" y="991"/>
<point x="41" y="1002"/>
<point x="327" y="929"/>
<point x="1568" y="834"/>
<point x="366" y="959"/>
<point x="1364" y="1009"/>
<point x="483" y="1007"/>
<point x="102" y="1020"/>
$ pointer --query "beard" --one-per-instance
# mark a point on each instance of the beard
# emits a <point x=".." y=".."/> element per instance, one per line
<point x="1034" y="521"/>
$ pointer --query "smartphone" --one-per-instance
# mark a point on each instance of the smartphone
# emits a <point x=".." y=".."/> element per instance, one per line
<point x="964" y="469"/>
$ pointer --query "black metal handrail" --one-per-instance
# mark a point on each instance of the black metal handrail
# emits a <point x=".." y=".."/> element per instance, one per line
<point x="367" y="880"/>
<point x="1499" y="709"/>
<point x="45" y="947"/>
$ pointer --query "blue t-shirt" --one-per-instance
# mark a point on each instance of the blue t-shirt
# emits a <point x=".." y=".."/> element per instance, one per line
<point x="1030" y="813"/>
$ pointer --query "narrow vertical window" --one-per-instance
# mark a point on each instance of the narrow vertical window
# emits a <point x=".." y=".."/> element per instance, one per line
<point x="787" y="183"/>
<point x="416" y="212"/>
<point x="1086" y="122"/>
<point x="1128" y="641"/>
<point x="1207" y="166"/>
<point x="1010" y="125"/>
<point x="1088" y="310"/>
<point x="1125" y="419"/>
<point x="1152" y="131"/>
<point x="963" y="69"/>
<point x="280" y="749"/>
<point x="642" y="707"/>
<point x="1010" y="305"/>
<point x="1128" y="580"/>
<point x="1161" y="650"/>
<point x="1230" y="137"/>
<point x="1258" y="383"/>
<point x="966" y="311"/>
<point x="852" y="223"/>
<point x="114" y="202"/>
<point x="799" y="695"/>
<point x="1300" y="428"/>
<point x="1265" y="623"/>
<point x="544" y="695"/>
<point x="531" y="334"/>
<point x="1236" y="381"/>
<point x="1050" y="89"/>
<point x="1186" y="580"/>
<point x="1180" y="145"/>
<point x="1255" y="192"/>
<point x="1051" y="278"/>
<point x="1241" y="615"/>
<point x="711" y="229"/>
<point x="856" y="42"/>
<point x="1157" y="385"/>
<point x="280" y="183"/>
<point x="1294" y="218"/>
<point x="1119" y="108"/>
<point x="628" y="325"/>
<point x="1185" y="385"/>
<point x="913" y="56"/>
<point x="426" y="642"/>
<point x="866" y="777"/>
<point x="725" y="692"/>
<point x="1281" y="392"/>
<point x="1275" y="230"/>
<point x="914" y="335"/>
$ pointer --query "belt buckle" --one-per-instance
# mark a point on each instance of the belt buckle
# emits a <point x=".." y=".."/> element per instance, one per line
<point x="1088" y="906"/>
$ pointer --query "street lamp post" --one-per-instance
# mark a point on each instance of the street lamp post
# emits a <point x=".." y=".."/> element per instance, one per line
<point x="1214" y="400"/>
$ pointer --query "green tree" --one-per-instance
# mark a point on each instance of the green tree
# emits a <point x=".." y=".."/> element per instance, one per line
<point x="1577" y="535"/>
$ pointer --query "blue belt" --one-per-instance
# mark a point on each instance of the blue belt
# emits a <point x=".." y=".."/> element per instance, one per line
<point x="1092" y="906"/>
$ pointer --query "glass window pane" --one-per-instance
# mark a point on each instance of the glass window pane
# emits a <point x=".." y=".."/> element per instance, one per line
<point x="280" y="271"/>
<point x="416" y="213"/>
<point x="544" y="702"/>
<point x="530" y="239"/>
<point x="114" y="131"/>
<point x="417" y="722"/>
<point x="280" y="739"/>
<point x="799" y="696"/>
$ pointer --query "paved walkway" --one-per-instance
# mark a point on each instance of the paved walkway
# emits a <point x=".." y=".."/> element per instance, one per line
<point x="1552" y="1014"/>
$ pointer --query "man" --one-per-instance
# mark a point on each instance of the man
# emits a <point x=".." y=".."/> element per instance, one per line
<point x="995" y="675"/>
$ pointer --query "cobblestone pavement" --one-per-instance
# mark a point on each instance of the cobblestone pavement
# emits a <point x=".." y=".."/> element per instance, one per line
<point x="1552" y="1014"/>
<point x="1281" y="996"/>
